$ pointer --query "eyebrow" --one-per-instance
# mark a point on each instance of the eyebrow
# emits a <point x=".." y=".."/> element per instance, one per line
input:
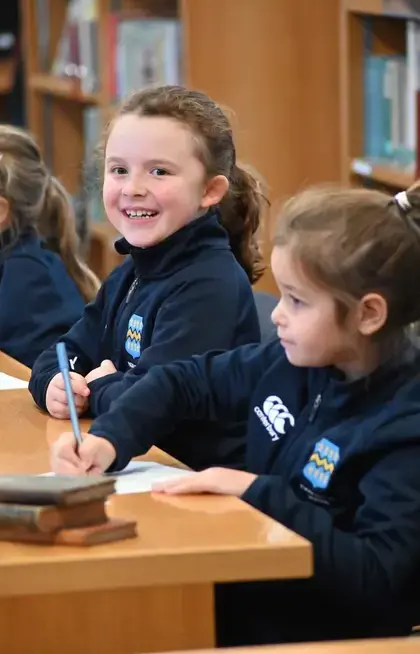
<point x="288" y="287"/>
<point x="165" y="162"/>
<point x="116" y="159"/>
<point x="150" y="162"/>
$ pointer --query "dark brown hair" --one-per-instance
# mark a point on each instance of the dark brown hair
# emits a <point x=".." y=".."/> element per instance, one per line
<point x="241" y="207"/>
<point x="39" y="201"/>
<point x="357" y="241"/>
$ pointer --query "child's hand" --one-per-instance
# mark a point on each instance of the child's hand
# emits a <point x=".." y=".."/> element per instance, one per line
<point x="106" y="368"/>
<point x="93" y="457"/>
<point x="213" y="480"/>
<point x="56" y="398"/>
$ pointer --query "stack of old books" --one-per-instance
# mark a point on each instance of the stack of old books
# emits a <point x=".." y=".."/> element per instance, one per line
<point x="59" y="509"/>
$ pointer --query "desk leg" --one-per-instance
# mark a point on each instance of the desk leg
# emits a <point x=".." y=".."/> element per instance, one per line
<point x="121" y="621"/>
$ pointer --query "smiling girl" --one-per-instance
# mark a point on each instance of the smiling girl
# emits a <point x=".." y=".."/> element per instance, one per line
<point x="187" y="213"/>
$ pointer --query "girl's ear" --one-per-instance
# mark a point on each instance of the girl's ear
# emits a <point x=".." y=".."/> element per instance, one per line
<point x="214" y="191"/>
<point x="373" y="314"/>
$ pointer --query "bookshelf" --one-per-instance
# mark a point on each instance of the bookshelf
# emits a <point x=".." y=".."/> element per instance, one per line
<point x="263" y="59"/>
<point x="386" y="23"/>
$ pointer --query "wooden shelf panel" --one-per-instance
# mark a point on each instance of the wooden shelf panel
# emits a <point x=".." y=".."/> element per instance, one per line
<point x="61" y="88"/>
<point x="386" y="175"/>
<point x="379" y="8"/>
<point x="370" y="7"/>
<point x="7" y="74"/>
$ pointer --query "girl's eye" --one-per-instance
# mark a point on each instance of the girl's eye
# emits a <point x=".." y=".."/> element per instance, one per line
<point x="295" y="301"/>
<point x="119" y="170"/>
<point x="158" y="172"/>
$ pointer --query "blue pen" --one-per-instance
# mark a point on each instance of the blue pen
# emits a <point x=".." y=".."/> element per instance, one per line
<point x="63" y="362"/>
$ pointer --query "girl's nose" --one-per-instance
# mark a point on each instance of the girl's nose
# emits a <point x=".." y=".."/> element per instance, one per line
<point x="134" y="187"/>
<point x="277" y="315"/>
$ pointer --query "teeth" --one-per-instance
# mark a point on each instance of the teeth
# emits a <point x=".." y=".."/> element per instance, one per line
<point x="140" y="214"/>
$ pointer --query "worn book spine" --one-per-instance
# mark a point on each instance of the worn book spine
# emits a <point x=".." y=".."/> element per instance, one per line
<point x="112" y="530"/>
<point x="54" y="489"/>
<point x="52" y="518"/>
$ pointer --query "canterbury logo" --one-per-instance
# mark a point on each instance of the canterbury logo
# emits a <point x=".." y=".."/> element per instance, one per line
<point x="275" y="416"/>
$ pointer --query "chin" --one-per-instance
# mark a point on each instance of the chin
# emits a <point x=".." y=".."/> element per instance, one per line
<point x="142" y="243"/>
<point x="141" y="240"/>
<point x="300" y="361"/>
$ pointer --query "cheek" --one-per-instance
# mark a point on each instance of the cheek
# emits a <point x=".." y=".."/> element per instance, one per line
<point x="177" y="193"/>
<point x="110" y="191"/>
<point x="166" y="192"/>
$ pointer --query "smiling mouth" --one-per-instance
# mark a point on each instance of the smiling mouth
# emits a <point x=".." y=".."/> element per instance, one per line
<point x="139" y="215"/>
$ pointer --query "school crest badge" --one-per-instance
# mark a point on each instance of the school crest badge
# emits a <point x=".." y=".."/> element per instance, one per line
<point x="133" y="336"/>
<point x="322" y="463"/>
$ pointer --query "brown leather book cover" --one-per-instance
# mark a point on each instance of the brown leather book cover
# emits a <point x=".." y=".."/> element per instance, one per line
<point x="54" y="489"/>
<point x="112" y="530"/>
<point x="52" y="518"/>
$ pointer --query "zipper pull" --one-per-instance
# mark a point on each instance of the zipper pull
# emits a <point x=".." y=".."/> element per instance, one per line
<point x="315" y="407"/>
<point x="131" y="290"/>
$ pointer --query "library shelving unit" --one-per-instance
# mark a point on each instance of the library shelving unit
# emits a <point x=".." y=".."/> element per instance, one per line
<point x="388" y="37"/>
<point x="275" y="63"/>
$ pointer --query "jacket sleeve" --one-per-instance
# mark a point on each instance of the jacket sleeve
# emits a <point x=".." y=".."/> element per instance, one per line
<point x="198" y="317"/>
<point x="374" y="559"/>
<point x="82" y="344"/>
<point x="33" y="315"/>
<point x="215" y="386"/>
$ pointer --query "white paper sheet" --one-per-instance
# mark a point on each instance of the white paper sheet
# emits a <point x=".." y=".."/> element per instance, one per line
<point x="7" y="382"/>
<point x="140" y="476"/>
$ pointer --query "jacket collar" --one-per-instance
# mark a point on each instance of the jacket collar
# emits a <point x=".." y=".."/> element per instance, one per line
<point x="397" y="369"/>
<point x="179" y="248"/>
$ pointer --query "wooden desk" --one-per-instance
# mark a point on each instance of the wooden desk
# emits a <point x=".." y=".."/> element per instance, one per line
<point x="151" y="593"/>
<point x="380" y="646"/>
<point x="14" y="368"/>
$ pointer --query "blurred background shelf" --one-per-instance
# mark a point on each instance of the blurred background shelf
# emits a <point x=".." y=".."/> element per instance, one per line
<point x="62" y="88"/>
<point x="384" y="175"/>
<point x="380" y="80"/>
<point x="278" y="65"/>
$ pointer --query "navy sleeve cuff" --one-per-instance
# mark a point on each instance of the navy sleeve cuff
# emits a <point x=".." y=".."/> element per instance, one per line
<point x="253" y="494"/>
<point x="268" y="494"/>
<point x="100" y="399"/>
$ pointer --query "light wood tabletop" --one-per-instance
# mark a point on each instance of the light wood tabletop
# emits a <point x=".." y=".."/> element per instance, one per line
<point x="380" y="646"/>
<point x="151" y="593"/>
<point x="14" y="368"/>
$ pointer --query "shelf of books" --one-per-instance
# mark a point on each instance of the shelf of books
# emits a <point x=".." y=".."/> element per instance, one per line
<point x="382" y="77"/>
<point x="82" y="57"/>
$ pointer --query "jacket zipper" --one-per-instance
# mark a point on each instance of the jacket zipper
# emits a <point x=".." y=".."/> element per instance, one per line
<point x="131" y="290"/>
<point x="315" y="407"/>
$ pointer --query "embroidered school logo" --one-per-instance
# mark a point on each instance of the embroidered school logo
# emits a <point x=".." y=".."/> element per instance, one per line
<point x="275" y="416"/>
<point x="322" y="462"/>
<point x="133" y="336"/>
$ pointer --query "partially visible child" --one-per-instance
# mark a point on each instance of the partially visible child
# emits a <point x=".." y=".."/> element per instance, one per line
<point x="44" y="285"/>
<point x="333" y="422"/>
<point x="188" y="214"/>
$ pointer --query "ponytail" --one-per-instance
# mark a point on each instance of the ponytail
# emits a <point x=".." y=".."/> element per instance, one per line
<point x="57" y="225"/>
<point x="240" y="211"/>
